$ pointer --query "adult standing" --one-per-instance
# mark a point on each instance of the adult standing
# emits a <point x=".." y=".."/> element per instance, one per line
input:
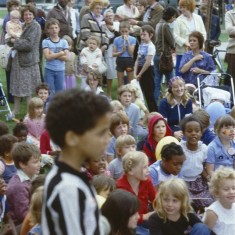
<point x="165" y="43"/>
<point x="25" y="72"/>
<point x="230" y="29"/>
<point x="62" y="14"/>
<point x="127" y="10"/>
<point x="186" y="23"/>
<point x="152" y="15"/>
<point x="92" y="25"/>
<point x="11" y="5"/>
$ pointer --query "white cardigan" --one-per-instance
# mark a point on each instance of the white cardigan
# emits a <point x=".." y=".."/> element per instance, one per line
<point x="181" y="31"/>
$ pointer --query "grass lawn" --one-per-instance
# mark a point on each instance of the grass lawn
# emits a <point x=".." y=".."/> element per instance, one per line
<point x="23" y="108"/>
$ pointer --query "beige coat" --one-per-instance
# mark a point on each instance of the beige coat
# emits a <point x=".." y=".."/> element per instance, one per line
<point x="181" y="31"/>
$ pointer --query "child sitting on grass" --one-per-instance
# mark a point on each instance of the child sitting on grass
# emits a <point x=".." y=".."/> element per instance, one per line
<point x="27" y="161"/>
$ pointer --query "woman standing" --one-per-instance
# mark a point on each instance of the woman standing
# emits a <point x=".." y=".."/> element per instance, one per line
<point x="108" y="55"/>
<point x="25" y="72"/>
<point x="92" y="25"/>
<point x="186" y="23"/>
<point x="165" y="43"/>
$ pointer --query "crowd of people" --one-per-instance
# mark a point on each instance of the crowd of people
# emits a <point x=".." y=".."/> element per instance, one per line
<point x="81" y="162"/>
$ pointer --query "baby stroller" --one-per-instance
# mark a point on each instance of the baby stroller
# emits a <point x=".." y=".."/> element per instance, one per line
<point x="4" y="106"/>
<point x="213" y="88"/>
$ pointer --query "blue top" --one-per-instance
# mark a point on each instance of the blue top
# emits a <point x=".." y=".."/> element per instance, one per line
<point x="174" y="114"/>
<point x="111" y="147"/>
<point x="55" y="47"/>
<point x="158" y="175"/>
<point x="35" y="230"/>
<point x="9" y="171"/>
<point x="119" y="42"/>
<point x="206" y="63"/>
<point x="207" y="136"/>
<point x="218" y="155"/>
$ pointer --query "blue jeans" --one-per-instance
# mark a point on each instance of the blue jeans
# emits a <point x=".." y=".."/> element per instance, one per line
<point x="200" y="229"/>
<point x="158" y="78"/>
<point x="177" y="65"/>
<point x="140" y="230"/>
<point x="55" y="80"/>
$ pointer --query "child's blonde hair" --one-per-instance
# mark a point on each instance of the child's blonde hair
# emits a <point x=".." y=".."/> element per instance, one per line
<point x="124" y="140"/>
<point x="179" y="190"/>
<point x="122" y="89"/>
<point x="36" y="206"/>
<point x="34" y="103"/>
<point x="220" y="174"/>
<point x="132" y="159"/>
<point x="134" y="90"/>
<point x="93" y="38"/>
<point x="103" y="183"/>
<point x="15" y="13"/>
<point x="116" y="104"/>
<point x="70" y="41"/>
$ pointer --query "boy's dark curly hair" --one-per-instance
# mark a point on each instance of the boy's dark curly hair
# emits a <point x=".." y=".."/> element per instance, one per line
<point x="76" y="111"/>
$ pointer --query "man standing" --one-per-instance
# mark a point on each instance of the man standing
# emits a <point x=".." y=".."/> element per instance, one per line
<point x="152" y="15"/>
<point x="62" y="14"/>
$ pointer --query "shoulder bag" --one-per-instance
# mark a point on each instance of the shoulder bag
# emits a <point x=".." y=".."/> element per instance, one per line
<point x="166" y="62"/>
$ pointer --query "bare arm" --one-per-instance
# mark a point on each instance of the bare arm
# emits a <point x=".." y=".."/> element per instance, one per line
<point x="51" y="56"/>
<point x="210" y="219"/>
<point x="209" y="169"/>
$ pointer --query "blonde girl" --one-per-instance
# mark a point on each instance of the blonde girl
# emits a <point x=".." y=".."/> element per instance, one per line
<point x="176" y="105"/>
<point x="219" y="216"/>
<point x="70" y="66"/>
<point x="221" y="149"/>
<point x="35" y="211"/>
<point x="137" y="181"/>
<point x="173" y="212"/>
<point x="35" y="120"/>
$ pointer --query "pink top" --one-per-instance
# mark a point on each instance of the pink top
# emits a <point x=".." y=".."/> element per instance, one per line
<point x="35" y="126"/>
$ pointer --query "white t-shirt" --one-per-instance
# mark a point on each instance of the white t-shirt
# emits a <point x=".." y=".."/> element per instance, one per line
<point x="146" y="49"/>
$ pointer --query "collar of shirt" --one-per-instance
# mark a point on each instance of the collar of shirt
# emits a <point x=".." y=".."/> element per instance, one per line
<point x="23" y="177"/>
<point x="98" y="19"/>
<point x="147" y="13"/>
<point x="64" y="10"/>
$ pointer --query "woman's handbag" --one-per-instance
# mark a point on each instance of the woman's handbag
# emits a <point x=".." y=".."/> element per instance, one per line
<point x="102" y="67"/>
<point x="166" y="62"/>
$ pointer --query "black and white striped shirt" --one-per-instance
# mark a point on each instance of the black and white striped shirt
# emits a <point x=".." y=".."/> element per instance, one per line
<point x="69" y="205"/>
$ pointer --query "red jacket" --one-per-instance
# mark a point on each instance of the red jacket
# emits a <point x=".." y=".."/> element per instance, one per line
<point x="150" y="144"/>
<point x="147" y="192"/>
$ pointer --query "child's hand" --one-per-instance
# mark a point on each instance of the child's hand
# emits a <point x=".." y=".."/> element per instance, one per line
<point x="125" y="37"/>
<point x="95" y="65"/>
<point x="146" y="216"/>
<point x="138" y="77"/>
<point x="85" y="66"/>
<point x="178" y="135"/>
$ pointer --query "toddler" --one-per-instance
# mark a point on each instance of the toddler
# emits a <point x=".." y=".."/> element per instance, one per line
<point x="157" y="129"/>
<point x="219" y="216"/>
<point x="123" y="145"/>
<point x="125" y="218"/>
<point x="70" y="65"/>
<point x="27" y="161"/>
<point x="119" y="126"/>
<point x="103" y="185"/>
<point x="90" y="59"/>
<point x="193" y="170"/>
<point x="123" y="49"/>
<point x="13" y="26"/>
<point x="172" y="159"/>
<point x="137" y="181"/>
<point x="221" y="150"/>
<point x="35" y="120"/>
<point x="7" y="166"/>
<point x="173" y="212"/>
<point x="42" y="92"/>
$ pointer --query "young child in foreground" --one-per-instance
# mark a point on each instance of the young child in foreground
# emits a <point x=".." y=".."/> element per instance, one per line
<point x="27" y="161"/>
<point x="173" y="212"/>
<point x="220" y="215"/>
<point x="83" y="135"/>
<point x="137" y="181"/>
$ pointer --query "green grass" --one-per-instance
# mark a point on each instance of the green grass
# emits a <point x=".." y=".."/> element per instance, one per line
<point x="3" y="13"/>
